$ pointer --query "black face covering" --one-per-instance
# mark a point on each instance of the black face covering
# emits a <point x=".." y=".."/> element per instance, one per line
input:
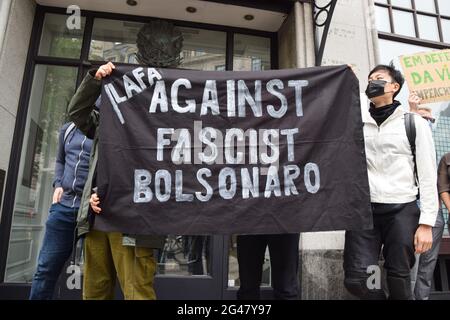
<point x="375" y="88"/>
<point x="381" y="114"/>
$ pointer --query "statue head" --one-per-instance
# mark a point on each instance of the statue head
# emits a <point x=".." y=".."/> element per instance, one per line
<point x="159" y="44"/>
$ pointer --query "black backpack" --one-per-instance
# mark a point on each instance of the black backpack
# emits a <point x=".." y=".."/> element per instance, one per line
<point x="410" y="127"/>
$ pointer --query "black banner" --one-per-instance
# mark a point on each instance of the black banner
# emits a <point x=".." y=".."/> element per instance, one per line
<point x="205" y="152"/>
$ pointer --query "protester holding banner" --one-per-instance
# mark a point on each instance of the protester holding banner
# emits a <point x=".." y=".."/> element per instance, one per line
<point x="212" y="152"/>
<point x="423" y="270"/>
<point x="105" y="254"/>
<point x="264" y="154"/>
<point x="400" y="227"/>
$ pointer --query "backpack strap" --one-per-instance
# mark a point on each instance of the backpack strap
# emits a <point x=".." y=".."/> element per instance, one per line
<point x="410" y="127"/>
<point x="69" y="129"/>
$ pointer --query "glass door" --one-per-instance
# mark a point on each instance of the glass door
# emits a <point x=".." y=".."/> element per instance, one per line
<point x="52" y="85"/>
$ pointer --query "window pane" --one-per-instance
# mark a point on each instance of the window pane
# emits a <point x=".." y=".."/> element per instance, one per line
<point x="52" y="89"/>
<point x="404" y="23"/>
<point x="444" y="7"/>
<point x="428" y="28"/>
<point x="114" y="40"/>
<point x="251" y="53"/>
<point x="203" y="49"/>
<point x="57" y="40"/>
<point x="381" y="1"/>
<point x="402" y="3"/>
<point x="185" y="256"/>
<point x="426" y="5"/>
<point x="446" y="30"/>
<point x="382" y="17"/>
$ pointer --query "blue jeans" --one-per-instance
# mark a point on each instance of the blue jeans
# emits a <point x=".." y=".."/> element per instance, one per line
<point x="56" y="249"/>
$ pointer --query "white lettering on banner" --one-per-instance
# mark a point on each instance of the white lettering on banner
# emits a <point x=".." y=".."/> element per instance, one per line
<point x="249" y="185"/>
<point x="163" y="175"/>
<point x="205" y="184"/>
<point x="190" y="104"/>
<point x="159" y="98"/>
<point x="234" y="145"/>
<point x="261" y="149"/>
<point x="248" y="103"/>
<point x="210" y="98"/>
<point x="142" y="191"/>
<point x="227" y="183"/>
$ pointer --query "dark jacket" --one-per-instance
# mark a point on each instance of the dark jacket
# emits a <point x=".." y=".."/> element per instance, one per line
<point x="83" y="113"/>
<point x="72" y="164"/>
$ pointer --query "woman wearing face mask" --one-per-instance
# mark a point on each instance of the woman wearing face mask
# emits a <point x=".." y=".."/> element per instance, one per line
<point x="400" y="228"/>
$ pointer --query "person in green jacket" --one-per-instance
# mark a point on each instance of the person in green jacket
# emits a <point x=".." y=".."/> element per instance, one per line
<point x="105" y="254"/>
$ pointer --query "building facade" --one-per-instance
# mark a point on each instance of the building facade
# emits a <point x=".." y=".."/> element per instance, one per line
<point x="46" y="49"/>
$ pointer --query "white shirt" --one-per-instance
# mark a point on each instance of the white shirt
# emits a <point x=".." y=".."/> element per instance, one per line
<point x="390" y="163"/>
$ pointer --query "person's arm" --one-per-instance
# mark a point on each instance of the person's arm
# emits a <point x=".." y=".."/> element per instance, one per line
<point x="59" y="167"/>
<point x="445" y="197"/>
<point x="427" y="176"/>
<point x="414" y="102"/>
<point x="81" y="106"/>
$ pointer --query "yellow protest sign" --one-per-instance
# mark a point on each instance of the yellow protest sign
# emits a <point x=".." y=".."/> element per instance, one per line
<point x="428" y="73"/>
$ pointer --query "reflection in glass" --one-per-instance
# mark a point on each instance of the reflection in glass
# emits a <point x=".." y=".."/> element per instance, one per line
<point x="52" y="89"/>
<point x="203" y="49"/>
<point x="185" y="255"/>
<point x="57" y="40"/>
<point x="114" y="40"/>
<point x="251" y="53"/>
